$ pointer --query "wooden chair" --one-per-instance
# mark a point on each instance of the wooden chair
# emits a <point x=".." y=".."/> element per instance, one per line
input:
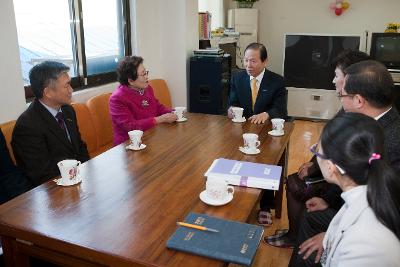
<point x="161" y="92"/>
<point x="7" y="129"/>
<point x="99" y="110"/>
<point x="86" y="127"/>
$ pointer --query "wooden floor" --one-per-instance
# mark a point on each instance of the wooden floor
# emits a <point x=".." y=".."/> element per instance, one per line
<point x="305" y="134"/>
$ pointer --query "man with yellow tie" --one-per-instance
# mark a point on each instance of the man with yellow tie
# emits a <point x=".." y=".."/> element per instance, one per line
<point x="260" y="92"/>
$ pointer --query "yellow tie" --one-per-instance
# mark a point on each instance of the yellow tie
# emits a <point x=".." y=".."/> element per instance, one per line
<point x="253" y="91"/>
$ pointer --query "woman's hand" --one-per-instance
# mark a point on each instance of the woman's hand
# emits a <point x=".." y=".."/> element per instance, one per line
<point x="167" y="117"/>
<point x="313" y="244"/>
<point x="304" y="169"/>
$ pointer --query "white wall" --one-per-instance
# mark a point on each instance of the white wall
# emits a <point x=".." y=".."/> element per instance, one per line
<point x="278" y="17"/>
<point x="12" y="98"/>
<point x="166" y="37"/>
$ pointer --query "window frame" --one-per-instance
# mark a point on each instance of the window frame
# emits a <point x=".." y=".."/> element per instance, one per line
<point x="83" y="80"/>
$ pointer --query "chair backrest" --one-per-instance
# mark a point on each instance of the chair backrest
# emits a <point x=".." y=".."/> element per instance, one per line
<point x="99" y="109"/>
<point x="7" y="129"/>
<point x="161" y="92"/>
<point x="86" y="127"/>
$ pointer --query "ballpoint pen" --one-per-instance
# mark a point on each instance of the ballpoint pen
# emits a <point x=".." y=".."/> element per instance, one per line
<point x="198" y="227"/>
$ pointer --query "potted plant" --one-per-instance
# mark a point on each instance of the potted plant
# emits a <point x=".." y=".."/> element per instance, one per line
<point x="245" y="3"/>
<point x="392" y="27"/>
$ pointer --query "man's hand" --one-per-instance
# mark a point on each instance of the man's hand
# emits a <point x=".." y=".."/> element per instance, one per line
<point x="312" y="244"/>
<point x="259" y="118"/>
<point x="304" y="169"/>
<point x="316" y="204"/>
<point x="230" y="112"/>
<point x="167" y="117"/>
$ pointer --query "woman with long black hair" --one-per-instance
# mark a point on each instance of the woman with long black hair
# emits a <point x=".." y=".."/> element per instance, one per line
<point x="366" y="230"/>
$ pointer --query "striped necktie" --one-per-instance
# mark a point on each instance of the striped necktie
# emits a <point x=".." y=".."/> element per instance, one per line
<point x="60" y="120"/>
<point x="254" y="91"/>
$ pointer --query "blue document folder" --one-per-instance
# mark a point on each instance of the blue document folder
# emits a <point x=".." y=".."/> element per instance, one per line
<point x="235" y="242"/>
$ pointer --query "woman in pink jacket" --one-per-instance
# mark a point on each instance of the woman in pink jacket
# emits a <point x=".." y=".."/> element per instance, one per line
<point x="133" y="105"/>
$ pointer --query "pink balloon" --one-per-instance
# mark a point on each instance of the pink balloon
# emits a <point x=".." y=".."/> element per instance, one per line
<point x="338" y="11"/>
<point x="332" y="6"/>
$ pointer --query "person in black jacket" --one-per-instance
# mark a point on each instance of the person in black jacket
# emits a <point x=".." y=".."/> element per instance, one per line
<point x="300" y="195"/>
<point x="47" y="132"/>
<point x="13" y="181"/>
<point x="368" y="89"/>
<point x="260" y="92"/>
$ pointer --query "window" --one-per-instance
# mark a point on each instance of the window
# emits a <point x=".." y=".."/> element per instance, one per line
<point x="87" y="35"/>
<point x="216" y="8"/>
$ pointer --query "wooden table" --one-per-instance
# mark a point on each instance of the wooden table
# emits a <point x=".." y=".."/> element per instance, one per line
<point x="128" y="204"/>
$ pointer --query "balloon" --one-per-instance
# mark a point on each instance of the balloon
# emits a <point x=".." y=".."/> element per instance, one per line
<point x="338" y="11"/>
<point x="339" y="5"/>
<point x="332" y="6"/>
<point x="345" y="5"/>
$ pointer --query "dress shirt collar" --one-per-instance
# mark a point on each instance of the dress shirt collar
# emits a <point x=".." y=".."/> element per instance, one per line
<point x="382" y="114"/>
<point x="259" y="77"/>
<point x="50" y="109"/>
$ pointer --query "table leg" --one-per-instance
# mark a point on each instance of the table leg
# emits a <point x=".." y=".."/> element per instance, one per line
<point x="12" y="257"/>
<point x="279" y="194"/>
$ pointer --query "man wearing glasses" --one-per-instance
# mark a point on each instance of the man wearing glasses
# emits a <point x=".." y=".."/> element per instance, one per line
<point x="368" y="90"/>
<point x="308" y="183"/>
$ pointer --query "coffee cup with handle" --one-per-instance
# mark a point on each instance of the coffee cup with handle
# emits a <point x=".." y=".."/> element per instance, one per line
<point x="136" y="138"/>
<point x="69" y="170"/>
<point x="218" y="190"/>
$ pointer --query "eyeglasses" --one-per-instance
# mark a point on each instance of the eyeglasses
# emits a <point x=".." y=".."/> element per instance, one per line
<point x="340" y="95"/>
<point x="144" y="73"/>
<point x="314" y="150"/>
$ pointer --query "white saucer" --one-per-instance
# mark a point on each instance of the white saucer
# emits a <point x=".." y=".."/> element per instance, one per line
<point x="212" y="202"/>
<point x="243" y="119"/>
<point x="130" y="147"/>
<point x="71" y="182"/>
<point x="249" y="152"/>
<point x="274" y="133"/>
<point x="182" y="120"/>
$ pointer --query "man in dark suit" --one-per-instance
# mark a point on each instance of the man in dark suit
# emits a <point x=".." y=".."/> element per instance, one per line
<point x="262" y="95"/>
<point x="368" y="89"/>
<point x="13" y="181"/>
<point x="260" y="92"/>
<point x="47" y="132"/>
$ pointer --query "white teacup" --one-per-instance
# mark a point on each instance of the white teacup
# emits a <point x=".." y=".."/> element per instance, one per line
<point x="179" y="111"/>
<point x="136" y="138"/>
<point x="69" y="169"/>
<point x="237" y="113"/>
<point x="278" y="125"/>
<point x="217" y="189"/>
<point x="251" y="141"/>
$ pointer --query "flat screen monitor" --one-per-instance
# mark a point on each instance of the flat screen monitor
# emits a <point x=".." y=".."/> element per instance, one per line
<point x="385" y="47"/>
<point x="308" y="58"/>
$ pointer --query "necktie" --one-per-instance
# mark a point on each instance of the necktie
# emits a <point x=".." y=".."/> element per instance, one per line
<point x="253" y="91"/>
<point x="60" y="120"/>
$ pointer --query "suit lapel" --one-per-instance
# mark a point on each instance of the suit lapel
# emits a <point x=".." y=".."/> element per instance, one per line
<point x="69" y="122"/>
<point x="261" y="94"/>
<point x="51" y="124"/>
<point x="247" y="91"/>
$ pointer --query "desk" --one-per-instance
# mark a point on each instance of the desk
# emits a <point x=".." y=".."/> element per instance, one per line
<point x="128" y="204"/>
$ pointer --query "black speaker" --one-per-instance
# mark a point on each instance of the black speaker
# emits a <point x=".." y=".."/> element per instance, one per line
<point x="209" y="84"/>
